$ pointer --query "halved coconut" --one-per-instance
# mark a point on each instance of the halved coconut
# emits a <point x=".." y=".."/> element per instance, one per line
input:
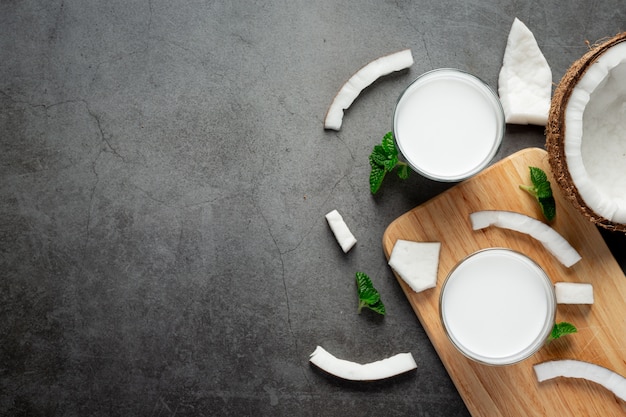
<point x="586" y="134"/>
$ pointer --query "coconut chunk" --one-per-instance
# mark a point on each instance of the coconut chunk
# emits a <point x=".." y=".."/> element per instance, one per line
<point x="525" y="80"/>
<point x="570" y="368"/>
<point x="340" y="229"/>
<point x="573" y="293"/>
<point x="416" y="263"/>
<point x="385" y="368"/>
<point x="361" y="80"/>
<point x="556" y="244"/>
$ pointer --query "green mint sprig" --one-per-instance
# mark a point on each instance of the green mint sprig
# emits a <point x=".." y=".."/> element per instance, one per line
<point x="383" y="159"/>
<point x="368" y="295"/>
<point x="542" y="191"/>
<point x="561" y="329"/>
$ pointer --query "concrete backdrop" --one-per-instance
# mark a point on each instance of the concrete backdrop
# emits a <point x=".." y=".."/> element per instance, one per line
<point x="164" y="179"/>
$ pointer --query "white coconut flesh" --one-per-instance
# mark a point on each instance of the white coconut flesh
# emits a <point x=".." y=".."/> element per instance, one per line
<point x="569" y="368"/>
<point x="525" y="79"/>
<point x="573" y="293"/>
<point x="595" y="135"/>
<point x="340" y="229"/>
<point x="556" y="244"/>
<point x="361" y="80"/>
<point x="382" y="369"/>
<point x="416" y="263"/>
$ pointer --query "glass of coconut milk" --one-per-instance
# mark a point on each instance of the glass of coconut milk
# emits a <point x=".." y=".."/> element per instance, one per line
<point x="448" y="125"/>
<point x="497" y="306"/>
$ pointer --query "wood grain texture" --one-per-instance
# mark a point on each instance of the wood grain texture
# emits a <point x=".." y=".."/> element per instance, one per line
<point x="513" y="390"/>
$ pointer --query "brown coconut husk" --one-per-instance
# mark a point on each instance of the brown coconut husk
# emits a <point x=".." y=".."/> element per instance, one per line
<point x="555" y="131"/>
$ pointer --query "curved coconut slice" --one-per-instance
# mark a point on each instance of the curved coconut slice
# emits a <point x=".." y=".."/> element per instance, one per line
<point x="556" y="244"/>
<point x="525" y="81"/>
<point x="597" y="112"/>
<point x="392" y="366"/>
<point x="570" y="368"/>
<point x="361" y="80"/>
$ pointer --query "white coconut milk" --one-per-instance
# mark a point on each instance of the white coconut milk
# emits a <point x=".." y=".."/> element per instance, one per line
<point x="497" y="306"/>
<point x="448" y="125"/>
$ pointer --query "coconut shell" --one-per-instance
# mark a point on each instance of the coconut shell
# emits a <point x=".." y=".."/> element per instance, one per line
<point x="555" y="131"/>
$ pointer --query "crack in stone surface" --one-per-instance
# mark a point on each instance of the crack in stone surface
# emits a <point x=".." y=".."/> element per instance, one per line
<point x="103" y="139"/>
<point x="283" y="275"/>
<point x="103" y="135"/>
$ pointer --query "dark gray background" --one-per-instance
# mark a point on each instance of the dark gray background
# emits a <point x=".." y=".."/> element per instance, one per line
<point x="164" y="180"/>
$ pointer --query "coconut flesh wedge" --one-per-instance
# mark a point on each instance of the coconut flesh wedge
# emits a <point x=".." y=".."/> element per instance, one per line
<point x="416" y="263"/>
<point x="382" y="369"/>
<point x="361" y="80"/>
<point x="586" y="134"/>
<point x="569" y="368"/>
<point x="525" y="80"/>
<point x="556" y="244"/>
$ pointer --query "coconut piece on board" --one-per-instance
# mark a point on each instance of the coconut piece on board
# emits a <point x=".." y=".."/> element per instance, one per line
<point x="573" y="293"/>
<point x="570" y="368"/>
<point x="552" y="240"/>
<point x="416" y="263"/>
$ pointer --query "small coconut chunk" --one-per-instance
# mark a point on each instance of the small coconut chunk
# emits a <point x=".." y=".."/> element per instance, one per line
<point x="556" y="244"/>
<point x="525" y="81"/>
<point x="344" y="237"/>
<point x="361" y="80"/>
<point x="573" y="293"/>
<point x="385" y="368"/>
<point x="416" y="263"/>
<point x="570" y="368"/>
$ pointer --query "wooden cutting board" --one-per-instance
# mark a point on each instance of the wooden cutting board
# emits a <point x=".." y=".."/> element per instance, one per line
<point x="601" y="338"/>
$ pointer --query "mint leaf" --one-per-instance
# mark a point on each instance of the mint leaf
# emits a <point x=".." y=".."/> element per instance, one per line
<point x="378" y="155"/>
<point x="377" y="175"/>
<point x="365" y="287"/>
<point x="390" y="162"/>
<point x="537" y="176"/>
<point x="377" y="307"/>
<point x="368" y="295"/>
<point x="384" y="157"/>
<point x="389" y="144"/>
<point x="561" y="329"/>
<point x="542" y="191"/>
<point x="548" y="207"/>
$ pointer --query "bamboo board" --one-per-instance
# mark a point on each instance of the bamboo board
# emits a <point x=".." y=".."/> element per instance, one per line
<point x="513" y="390"/>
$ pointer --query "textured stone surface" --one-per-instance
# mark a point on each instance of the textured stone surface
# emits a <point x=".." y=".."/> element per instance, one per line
<point x="164" y="179"/>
